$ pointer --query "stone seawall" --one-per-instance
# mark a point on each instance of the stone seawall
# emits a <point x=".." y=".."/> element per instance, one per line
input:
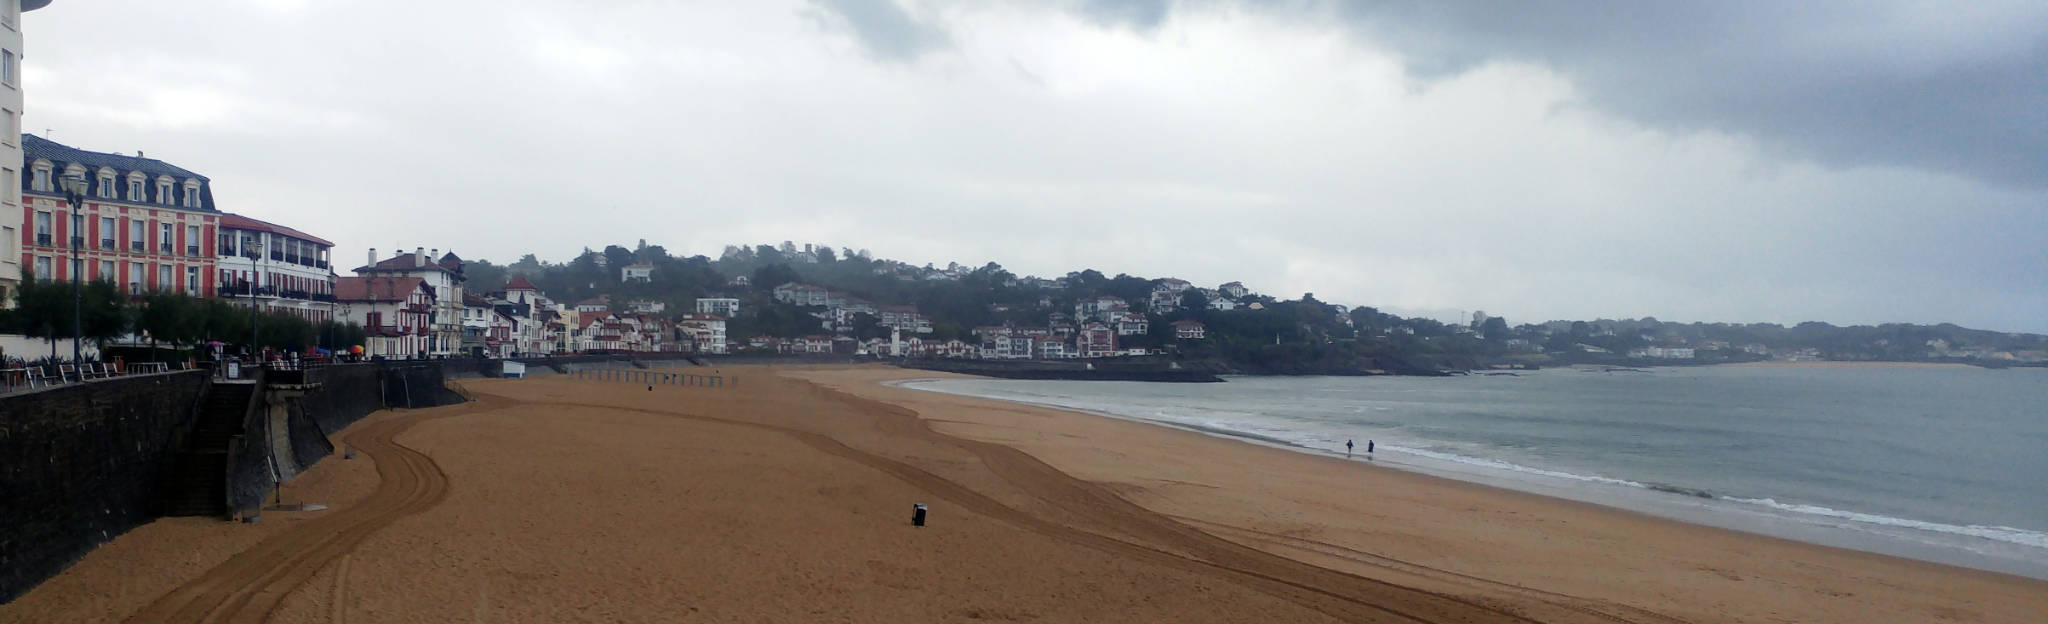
<point x="83" y="463"/>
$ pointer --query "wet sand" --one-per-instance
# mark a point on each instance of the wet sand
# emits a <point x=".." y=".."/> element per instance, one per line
<point x="788" y="499"/>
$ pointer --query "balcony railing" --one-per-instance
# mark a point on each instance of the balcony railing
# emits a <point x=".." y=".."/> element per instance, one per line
<point x="78" y="242"/>
<point x="43" y="239"/>
<point x="135" y="245"/>
<point x="106" y="243"/>
<point x="191" y="250"/>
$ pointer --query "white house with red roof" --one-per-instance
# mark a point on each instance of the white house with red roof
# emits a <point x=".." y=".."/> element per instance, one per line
<point x="395" y="312"/>
<point x="1095" y="340"/>
<point x="274" y="268"/>
<point x="1189" y="330"/>
<point x="443" y="277"/>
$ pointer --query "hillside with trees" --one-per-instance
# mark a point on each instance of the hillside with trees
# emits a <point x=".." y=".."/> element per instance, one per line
<point x="1259" y="333"/>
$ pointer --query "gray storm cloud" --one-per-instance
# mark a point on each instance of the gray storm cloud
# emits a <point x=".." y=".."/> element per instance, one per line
<point x="1732" y="162"/>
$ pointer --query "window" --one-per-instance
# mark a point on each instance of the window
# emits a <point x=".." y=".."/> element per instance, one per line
<point x="77" y="270"/>
<point x="9" y="67"/>
<point x="43" y="268"/>
<point x="106" y="185"/>
<point x="42" y="179"/>
<point x="10" y="183"/>
<point x="225" y="245"/>
<point x="163" y="276"/>
<point x="106" y="271"/>
<point x="106" y="232"/>
<point x="10" y="126"/>
<point x="165" y="245"/>
<point x="136" y="236"/>
<point x="163" y="192"/>
<point x="43" y="225"/>
<point x="135" y="189"/>
<point x="135" y="278"/>
<point x="192" y="280"/>
<point x="191" y="195"/>
<point x="191" y="240"/>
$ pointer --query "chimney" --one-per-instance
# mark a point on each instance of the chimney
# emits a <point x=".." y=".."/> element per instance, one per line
<point x="419" y="256"/>
<point x="434" y="253"/>
<point x="373" y="256"/>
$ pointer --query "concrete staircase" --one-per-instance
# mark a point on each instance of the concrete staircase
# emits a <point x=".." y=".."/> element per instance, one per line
<point x="197" y="485"/>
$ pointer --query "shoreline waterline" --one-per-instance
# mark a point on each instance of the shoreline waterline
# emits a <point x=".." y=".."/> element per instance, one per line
<point x="1986" y="547"/>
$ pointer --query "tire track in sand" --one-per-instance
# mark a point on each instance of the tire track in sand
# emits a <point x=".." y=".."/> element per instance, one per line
<point x="1162" y="541"/>
<point x="250" y="585"/>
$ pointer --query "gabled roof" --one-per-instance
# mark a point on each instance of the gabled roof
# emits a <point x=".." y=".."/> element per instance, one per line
<point x="403" y="263"/>
<point x="375" y="288"/>
<point x="519" y="282"/>
<point x="450" y="261"/>
<point x="238" y="222"/>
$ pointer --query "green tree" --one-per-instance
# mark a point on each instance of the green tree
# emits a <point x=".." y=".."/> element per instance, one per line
<point x="769" y="276"/>
<point x="171" y="317"/>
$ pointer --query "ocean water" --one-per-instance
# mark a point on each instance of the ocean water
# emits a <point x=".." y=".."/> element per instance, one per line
<point x="1941" y="464"/>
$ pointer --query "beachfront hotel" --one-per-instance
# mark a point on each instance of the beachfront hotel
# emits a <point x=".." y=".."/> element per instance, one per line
<point x="145" y="224"/>
<point x="275" y="268"/>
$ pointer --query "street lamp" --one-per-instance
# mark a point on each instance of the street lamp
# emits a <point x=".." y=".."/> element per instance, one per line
<point x="74" y="192"/>
<point x="256" y="275"/>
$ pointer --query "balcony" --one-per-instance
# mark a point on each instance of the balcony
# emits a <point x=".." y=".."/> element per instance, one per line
<point x="106" y="243"/>
<point x="191" y="250"/>
<point x="43" y="239"/>
<point x="320" y="264"/>
<point x="135" y="246"/>
<point x="78" y="242"/>
<point x="420" y="308"/>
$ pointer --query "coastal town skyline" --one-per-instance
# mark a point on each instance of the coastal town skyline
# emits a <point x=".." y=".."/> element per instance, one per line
<point x="1387" y="185"/>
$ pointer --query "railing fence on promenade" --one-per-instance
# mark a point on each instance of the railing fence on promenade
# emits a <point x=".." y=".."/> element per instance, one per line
<point x="654" y="378"/>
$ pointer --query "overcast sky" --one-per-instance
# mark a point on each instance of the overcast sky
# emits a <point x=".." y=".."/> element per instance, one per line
<point x="1729" y="161"/>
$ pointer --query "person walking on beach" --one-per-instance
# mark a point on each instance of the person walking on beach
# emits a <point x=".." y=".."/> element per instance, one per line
<point x="1368" y="448"/>
<point x="1347" y="448"/>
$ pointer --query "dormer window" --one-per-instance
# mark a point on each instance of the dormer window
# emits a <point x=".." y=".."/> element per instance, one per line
<point x="191" y="195"/>
<point x="41" y="179"/>
<point x="135" y="189"/>
<point x="163" y="191"/>
<point x="106" y="190"/>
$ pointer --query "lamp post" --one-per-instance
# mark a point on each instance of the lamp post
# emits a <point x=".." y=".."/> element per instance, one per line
<point x="74" y="193"/>
<point x="256" y="278"/>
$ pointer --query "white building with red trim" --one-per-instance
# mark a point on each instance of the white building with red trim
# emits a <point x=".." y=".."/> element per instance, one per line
<point x="395" y="312"/>
<point x="274" y="268"/>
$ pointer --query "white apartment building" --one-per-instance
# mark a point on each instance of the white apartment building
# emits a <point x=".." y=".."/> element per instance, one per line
<point x="720" y="306"/>
<point x="10" y="142"/>
<point x="275" y="268"/>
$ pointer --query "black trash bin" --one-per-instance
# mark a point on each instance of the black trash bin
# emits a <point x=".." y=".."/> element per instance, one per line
<point x="917" y="514"/>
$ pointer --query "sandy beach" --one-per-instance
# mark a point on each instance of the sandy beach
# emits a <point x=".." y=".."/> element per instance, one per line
<point x="787" y="499"/>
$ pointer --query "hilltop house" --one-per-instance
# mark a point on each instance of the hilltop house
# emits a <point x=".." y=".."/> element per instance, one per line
<point x="637" y="272"/>
<point x="1189" y="330"/>
<point x="726" y="307"/>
